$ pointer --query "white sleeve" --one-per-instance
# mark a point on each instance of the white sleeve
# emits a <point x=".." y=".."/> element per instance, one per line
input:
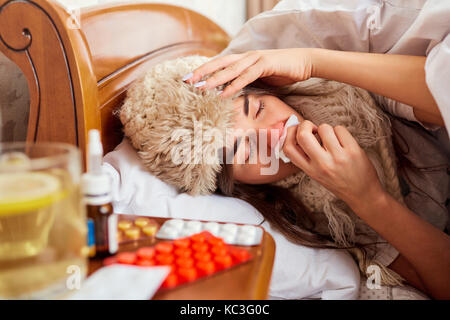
<point x="363" y="26"/>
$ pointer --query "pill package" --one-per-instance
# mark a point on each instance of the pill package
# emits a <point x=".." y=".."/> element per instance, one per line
<point x="190" y="258"/>
<point x="136" y="228"/>
<point x="241" y="235"/>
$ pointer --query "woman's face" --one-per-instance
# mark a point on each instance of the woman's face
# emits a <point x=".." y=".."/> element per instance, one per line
<point x="258" y="116"/>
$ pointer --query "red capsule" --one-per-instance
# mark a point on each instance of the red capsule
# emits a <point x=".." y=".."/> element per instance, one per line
<point x="164" y="247"/>
<point x="146" y="253"/>
<point x="199" y="237"/>
<point x="202" y="256"/>
<point x="164" y="259"/>
<point x="184" y="262"/>
<point x="206" y="267"/>
<point x="182" y="243"/>
<point x="183" y="253"/>
<point x="145" y="263"/>
<point x="240" y="255"/>
<point x="214" y="241"/>
<point x="219" y="250"/>
<point x="187" y="274"/>
<point x="223" y="262"/>
<point x="200" y="247"/>
<point x="126" y="258"/>
<point x="170" y="281"/>
<point x="110" y="260"/>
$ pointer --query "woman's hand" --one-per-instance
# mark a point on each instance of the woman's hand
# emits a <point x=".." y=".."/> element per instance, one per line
<point x="275" y="67"/>
<point x="338" y="162"/>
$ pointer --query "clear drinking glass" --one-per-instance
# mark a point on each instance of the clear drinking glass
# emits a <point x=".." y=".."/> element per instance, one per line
<point x="42" y="220"/>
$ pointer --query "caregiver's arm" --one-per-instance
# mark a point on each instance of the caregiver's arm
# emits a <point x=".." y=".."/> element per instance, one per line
<point x="341" y="166"/>
<point x="426" y="248"/>
<point x="399" y="77"/>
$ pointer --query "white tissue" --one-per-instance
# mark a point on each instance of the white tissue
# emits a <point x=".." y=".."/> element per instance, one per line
<point x="122" y="282"/>
<point x="279" y="154"/>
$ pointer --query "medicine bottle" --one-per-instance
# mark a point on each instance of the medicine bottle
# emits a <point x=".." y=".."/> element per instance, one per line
<point x="96" y="188"/>
<point x="97" y="197"/>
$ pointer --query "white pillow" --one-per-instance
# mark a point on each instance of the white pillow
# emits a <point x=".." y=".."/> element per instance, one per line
<point x="299" y="272"/>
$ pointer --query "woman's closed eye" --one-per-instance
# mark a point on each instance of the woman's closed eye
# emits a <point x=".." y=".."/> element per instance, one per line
<point x="260" y="108"/>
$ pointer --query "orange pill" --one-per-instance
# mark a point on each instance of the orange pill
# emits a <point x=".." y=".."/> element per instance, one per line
<point x="164" y="247"/>
<point x="240" y="255"/>
<point x="145" y="263"/>
<point x="170" y="281"/>
<point x="126" y="258"/>
<point x="200" y="247"/>
<point x="206" y="267"/>
<point x="182" y="243"/>
<point x="187" y="274"/>
<point x="183" y="253"/>
<point x="214" y="241"/>
<point x="184" y="262"/>
<point x="219" y="250"/>
<point x="223" y="262"/>
<point x="199" y="237"/>
<point x="146" y="253"/>
<point x="110" y="261"/>
<point x="164" y="259"/>
<point x="202" y="256"/>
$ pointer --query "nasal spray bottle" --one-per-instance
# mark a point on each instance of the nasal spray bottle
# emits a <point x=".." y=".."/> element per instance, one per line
<point x="96" y="186"/>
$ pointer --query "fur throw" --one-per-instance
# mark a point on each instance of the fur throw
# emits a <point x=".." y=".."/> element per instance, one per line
<point x="177" y="128"/>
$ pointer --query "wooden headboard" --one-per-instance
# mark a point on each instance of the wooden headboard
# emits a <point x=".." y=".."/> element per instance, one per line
<point x="77" y="77"/>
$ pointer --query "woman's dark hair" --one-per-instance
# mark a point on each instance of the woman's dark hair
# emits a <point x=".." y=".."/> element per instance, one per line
<point x="278" y="206"/>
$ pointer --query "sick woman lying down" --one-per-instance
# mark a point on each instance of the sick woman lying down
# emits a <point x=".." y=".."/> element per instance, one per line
<point x="338" y="187"/>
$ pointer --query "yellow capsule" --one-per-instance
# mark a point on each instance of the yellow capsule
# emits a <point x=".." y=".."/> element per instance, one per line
<point x="141" y="222"/>
<point x="150" y="230"/>
<point x="132" y="233"/>
<point x="124" y="225"/>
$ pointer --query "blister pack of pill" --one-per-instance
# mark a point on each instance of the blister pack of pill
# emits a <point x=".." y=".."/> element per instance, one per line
<point x="231" y="233"/>
<point x="135" y="228"/>
<point x="190" y="258"/>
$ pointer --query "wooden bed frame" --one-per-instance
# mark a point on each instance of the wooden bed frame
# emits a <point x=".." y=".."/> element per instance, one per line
<point x="77" y="77"/>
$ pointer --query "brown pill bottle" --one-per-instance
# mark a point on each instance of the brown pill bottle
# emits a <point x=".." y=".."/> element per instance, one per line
<point x="97" y="198"/>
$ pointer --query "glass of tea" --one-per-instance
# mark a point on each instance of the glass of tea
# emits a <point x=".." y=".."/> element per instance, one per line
<point x="42" y="220"/>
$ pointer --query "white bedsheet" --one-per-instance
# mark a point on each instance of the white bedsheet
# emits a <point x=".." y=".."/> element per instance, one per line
<point x="299" y="272"/>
